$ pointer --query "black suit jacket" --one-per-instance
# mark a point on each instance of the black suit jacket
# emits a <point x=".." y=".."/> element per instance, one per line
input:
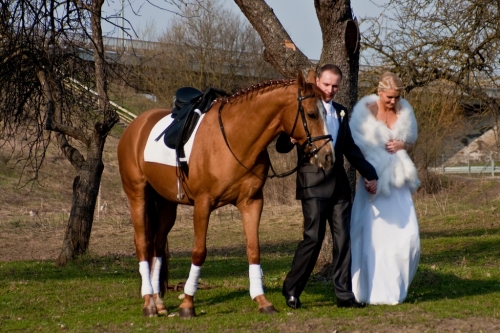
<point x="313" y="182"/>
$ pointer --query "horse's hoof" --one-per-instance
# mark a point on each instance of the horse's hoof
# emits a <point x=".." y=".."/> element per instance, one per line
<point x="268" y="310"/>
<point x="160" y="307"/>
<point x="149" y="312"/>
<point x="187" y="313"/>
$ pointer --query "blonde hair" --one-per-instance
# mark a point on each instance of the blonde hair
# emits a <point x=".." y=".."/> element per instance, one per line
<point x="390" y="80"/>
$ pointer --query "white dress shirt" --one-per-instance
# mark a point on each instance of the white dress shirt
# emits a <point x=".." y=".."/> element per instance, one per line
<point x="332" y="121"/>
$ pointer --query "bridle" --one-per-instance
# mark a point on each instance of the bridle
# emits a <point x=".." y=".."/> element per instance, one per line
<point x="310" y="139"/>
<point x="308" y="146"/>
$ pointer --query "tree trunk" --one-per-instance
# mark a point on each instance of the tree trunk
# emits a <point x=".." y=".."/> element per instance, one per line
<point x="85" y="192"/>
<point x="340" y="47"/>
<point x="280" y="50"/>
<point x="86" y="184"/>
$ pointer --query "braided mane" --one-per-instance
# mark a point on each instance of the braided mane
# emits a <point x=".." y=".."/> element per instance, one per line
<point x="273" y="84"/>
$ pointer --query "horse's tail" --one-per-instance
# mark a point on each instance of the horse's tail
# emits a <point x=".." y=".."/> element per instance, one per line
<point x="157" y="234"/>
<point x="164" y="270"/>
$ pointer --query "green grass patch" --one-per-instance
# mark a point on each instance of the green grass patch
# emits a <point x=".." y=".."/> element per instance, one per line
<point x="459" y="277"/>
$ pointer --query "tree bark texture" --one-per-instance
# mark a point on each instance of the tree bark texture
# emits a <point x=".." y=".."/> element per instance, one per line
<point x="340" y="47"/>
<point x="280" y="51"/>
<point x="85" y="191"/>
<point x="336" y="22"/>
<point x="86" y="184"/>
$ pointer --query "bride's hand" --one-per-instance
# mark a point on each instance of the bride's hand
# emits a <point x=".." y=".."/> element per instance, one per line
<point x="394" y="145"/>
<point x="371" y="186"/>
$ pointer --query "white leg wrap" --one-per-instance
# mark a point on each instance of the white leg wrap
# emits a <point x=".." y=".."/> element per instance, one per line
<point x="192" y="282"/>
<point x="146" y="288"/>
<point x="255" y="276"/>
<point x="155" y="274"/>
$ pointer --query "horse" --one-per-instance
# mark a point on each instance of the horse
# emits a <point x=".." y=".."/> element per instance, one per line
<point x="228" y="165"/>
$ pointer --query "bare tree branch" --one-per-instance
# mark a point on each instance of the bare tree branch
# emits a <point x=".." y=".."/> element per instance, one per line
<point x="280" y="51"/>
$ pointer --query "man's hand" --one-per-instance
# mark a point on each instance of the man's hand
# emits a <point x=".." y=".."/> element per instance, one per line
<point x="371" y="186"/>
<point x="292" y="140"/>
<point x="394" y="145"/>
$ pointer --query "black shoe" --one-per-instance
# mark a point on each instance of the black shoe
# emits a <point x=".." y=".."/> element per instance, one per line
<point x="349" y="303"/>
<point x="293" y="302"/>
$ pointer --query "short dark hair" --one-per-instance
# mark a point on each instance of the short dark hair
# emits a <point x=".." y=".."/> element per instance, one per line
<point x="330" y="67"/>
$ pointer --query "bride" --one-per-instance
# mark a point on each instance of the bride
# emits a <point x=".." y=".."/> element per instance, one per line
<point x="385" y="242"/>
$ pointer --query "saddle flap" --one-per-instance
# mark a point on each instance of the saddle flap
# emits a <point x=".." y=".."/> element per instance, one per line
<point x="190" y="104"/>
<point x="184" y="96"/>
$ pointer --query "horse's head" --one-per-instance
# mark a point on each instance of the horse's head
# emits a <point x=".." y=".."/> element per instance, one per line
<point x="308" y="126"/>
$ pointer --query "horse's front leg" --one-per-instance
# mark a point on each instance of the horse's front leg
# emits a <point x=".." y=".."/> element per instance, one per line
<point x="201" y="214"/>
<point x="251" y="210"/>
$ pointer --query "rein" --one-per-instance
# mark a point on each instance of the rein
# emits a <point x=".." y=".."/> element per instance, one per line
<point x="306" y="145"/>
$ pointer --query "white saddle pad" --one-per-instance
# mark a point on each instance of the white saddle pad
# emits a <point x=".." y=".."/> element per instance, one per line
<point x="158" y="152"/>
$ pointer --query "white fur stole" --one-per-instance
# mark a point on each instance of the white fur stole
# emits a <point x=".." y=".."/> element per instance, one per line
<point x="371" y="135"/>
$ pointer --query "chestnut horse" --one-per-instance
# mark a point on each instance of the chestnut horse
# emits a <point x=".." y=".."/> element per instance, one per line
<point x="228" y="165"/>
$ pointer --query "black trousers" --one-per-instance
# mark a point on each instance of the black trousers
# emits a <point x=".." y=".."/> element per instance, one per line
<point x="337" y="211"/>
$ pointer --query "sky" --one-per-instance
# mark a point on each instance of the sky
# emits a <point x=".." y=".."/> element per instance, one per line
<point x="306" y="36"/>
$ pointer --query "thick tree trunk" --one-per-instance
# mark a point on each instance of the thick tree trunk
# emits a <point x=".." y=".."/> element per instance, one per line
<point x="85" y="192"/>
<point x="340" y="47"/>
<point x="86" y="184"/>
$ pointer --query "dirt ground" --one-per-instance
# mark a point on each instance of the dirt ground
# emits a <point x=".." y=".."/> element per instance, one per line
<point x="39" y="242"/>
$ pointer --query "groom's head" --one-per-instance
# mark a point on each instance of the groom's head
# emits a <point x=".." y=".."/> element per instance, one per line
<point x="328" y="80"/>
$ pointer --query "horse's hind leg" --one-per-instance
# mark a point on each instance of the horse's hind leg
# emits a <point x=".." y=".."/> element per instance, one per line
<point x="251" y="210"/>
<point x="143" y="214"/>
<point x="167" y="212"/>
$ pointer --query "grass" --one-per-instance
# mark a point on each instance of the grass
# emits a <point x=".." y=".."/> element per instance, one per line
<point x="456" y="288"/>
<point x="459" y="277"/>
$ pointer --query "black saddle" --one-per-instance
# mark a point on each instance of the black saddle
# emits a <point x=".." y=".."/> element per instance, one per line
<point x="189" y="105"/>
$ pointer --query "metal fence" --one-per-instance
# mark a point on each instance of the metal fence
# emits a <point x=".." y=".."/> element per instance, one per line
<point x="489" y="168"/>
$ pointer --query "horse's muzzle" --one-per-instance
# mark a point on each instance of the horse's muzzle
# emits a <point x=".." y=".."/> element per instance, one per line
<point x="324" y="158"/>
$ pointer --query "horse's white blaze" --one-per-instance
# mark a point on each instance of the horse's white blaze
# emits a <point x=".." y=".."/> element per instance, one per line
<point x="155" y="274"/>
<point x="146" y="288"/>
<point x="255" y="276"/>
<point x="192" y="282"/>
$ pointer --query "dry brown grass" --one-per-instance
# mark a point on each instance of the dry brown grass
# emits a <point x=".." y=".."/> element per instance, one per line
<point x="33" y="218"/>
<point x="444" y="205"/>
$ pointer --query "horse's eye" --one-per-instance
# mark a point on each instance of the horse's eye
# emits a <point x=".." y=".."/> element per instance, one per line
<point x="312" y="115"/>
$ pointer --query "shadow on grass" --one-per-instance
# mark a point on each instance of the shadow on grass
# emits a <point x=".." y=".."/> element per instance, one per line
<point x="430" y="285"/>
<point x="227" y="267"/>
<point x="218" y="266"/>
<point x="475" y="251"/>
<point x="460" y="233"/>
<point x="266" y="248"/>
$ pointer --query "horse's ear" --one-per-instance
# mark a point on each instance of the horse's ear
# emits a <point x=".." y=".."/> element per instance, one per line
<point x="301" y="81"/>
<point x="311" y="76"/>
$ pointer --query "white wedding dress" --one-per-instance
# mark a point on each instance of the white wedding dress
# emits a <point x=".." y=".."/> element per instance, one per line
<point x="385" y="245"/>
<point x="385" y="241"/>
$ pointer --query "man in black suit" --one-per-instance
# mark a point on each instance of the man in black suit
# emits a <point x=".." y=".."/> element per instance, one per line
<point x="326" y="196"/>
